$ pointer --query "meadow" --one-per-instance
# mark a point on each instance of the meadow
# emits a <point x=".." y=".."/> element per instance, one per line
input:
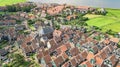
<point x="107" y="22"/>
<point x="10" y="2"/>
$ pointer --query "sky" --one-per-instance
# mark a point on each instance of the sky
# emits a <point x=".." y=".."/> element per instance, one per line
<point x="94" y="3"/>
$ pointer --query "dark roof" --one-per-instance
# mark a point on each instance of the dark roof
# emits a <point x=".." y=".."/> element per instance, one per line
<point x="48" y="30"/>
<point x="3" y="52"/>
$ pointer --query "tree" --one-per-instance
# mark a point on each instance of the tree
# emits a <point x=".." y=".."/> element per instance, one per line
<point x="17" y="7"/>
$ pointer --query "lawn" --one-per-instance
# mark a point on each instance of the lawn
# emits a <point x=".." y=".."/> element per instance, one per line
<point x="7" y="13"/>
<point x="110" y="21"/>
<point x="9" y="2"/>
<point x="92" y="16"/>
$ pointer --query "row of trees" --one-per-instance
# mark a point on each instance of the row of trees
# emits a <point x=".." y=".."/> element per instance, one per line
<point x="18" y="61"/>
<point x="100" y="13"/>
<point x="18" y="7"/>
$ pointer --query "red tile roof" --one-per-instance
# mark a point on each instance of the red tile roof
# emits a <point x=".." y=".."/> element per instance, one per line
<point x="55" y="10"/>
<point x="40" y="55"/>
<point x="57" y="33"/>
<point x="47" y="59"/>
<point x="58" y="61"/>
<point x="116" y="40"/>
<point x="113" y="59"/>
<point x="74" y="62"/>
<point x="103" y="55"/>
<point x="79" y="58"/>
<point x="71" y="16"/>
<point x="90" y="56"/>
<point x="84" y="54"/>
<point x="65" y="56"/>
<point x="63" y="48"/>
<point x="87" y="63"/>
<point x="99" y="60"/>
<point x="74" y="51"/>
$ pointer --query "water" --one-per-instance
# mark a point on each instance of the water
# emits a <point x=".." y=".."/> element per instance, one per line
<point x="92" y="3"/>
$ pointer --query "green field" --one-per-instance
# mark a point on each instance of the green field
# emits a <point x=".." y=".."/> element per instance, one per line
<point x="10" y="2"/>
<point x="110" y="21"/>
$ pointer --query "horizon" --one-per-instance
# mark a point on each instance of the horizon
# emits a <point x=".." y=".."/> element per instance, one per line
<point x="91" y="3"/>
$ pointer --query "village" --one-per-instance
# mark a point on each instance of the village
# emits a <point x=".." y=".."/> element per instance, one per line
<point x="55" y="35"/>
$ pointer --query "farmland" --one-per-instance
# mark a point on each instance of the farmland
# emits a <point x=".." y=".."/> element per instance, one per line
<point x="107" y="22"/>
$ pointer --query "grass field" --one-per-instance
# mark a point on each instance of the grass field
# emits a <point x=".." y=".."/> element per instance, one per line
<point x="110" y="21"/>
<point x="92" y="16"/>
<point x="9" y="2"/>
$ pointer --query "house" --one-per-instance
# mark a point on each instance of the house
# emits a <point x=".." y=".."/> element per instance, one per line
<point x="65" y="56"/>
<point x="98" y="61"/>
<point x="73" y="62"/>
<point x="30" y="45"/>
<point x="84" y="9"/>
<point x="55" y="10"/>
<point x="51" y="43"/>
<point x="71" y="17"/>
<point x="86" y="64"/>
<point x="9" y="34"/>
<point x="74" y="51"/>
<point x="61" y="49"/>
<point x="113" y="60"/>
<point x="44" y="40"/>
<point x="46" y="31"/>
<point x="40" y="56"/>
<point x="31" y="16"/>
<point x="110" y="61"/>
<point x="118" y="64"/>
<point x="103" y="10"/>
<point x="20" y="27"/>
<point x="107" y="50"/>
<point x="59" y="61"/>
<point x="7" y="22"/>
<point x="43" y="14"/>
<point x="84" y="55"/>
<point x="95" y="49"/>
<point x="103" y="55"/>
<point x="90" y="56"/>
<point x="3" y="54"/>
<point x="57" y="33"/>
<point x="23" y="14"/>
<point x="118" y="52"/>
<point x="2" y="8"/>
<point x="79" y="58"/>
<point x="67" y="64"/>
<point x="1" y="37"/>
<point x="115" y="40"/>
<point x="47" y="59"/>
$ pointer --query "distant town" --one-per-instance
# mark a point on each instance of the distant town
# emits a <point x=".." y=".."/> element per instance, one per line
<point x="57" y="35"/>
